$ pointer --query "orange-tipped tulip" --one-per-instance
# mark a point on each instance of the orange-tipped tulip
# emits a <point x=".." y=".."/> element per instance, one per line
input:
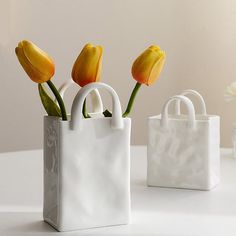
<point x="87" y="67"/>
<point x="36" y="63"/>
<point x="147" y="67"/>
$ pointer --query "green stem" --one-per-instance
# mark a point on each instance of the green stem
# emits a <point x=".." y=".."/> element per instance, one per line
<point x="59" y="99"/>
<point x="131" y="100"/>
<point x="107" y="113"/>
<point x="86" y="115"/>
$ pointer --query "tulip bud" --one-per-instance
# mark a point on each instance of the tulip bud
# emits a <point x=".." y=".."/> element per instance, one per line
<point x="36" y="63"/>
<point x="147" y="67"/>
<point x="87" y="67"/>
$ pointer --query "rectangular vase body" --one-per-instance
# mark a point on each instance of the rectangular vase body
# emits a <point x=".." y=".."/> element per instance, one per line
<point x="180" y="157"/>
<point x="86" y="174"/>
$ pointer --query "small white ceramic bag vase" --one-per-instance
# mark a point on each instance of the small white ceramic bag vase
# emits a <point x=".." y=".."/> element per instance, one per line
<point x="87" y="167"/>
<point x="183" y="151"/>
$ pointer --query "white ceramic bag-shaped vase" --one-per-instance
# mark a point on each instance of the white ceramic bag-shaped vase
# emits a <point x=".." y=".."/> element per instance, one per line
<point x="183" y="151"/>
<point x="87" y="167"/>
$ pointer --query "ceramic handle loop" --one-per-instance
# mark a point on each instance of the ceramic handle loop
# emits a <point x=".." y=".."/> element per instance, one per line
<point x="190" y="108"/>
<point x="200" y="98"/>
<point x="97" y="105"/>
<point x="77" y="106"/>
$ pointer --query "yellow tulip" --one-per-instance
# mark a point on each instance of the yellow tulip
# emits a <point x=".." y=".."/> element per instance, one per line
<point x="87" y="67"/>
<point x="36" y="63"/>
<point x="147" y="67"/>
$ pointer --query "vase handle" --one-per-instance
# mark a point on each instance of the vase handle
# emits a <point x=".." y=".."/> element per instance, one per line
<point x="77" y="106"/>
<point x="95" y="96"/>
<point x="196" y="94"/>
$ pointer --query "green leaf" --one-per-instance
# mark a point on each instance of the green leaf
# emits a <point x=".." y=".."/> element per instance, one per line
<point x="107" y="113"/>
<point x="49" y="105"/>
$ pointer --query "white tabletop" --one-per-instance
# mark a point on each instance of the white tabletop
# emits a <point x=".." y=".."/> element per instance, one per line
<point x="155" y="211"/>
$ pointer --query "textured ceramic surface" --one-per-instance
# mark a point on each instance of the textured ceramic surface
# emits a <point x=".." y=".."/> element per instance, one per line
<point x="183" y="151"/>
<point x="87" y="168"/>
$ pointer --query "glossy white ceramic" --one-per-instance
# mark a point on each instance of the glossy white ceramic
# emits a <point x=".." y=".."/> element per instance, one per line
<point x="183" y="151"/>
<point x="95" y="97"/>
<point x="87" y="167"/>
<point x="198" y="96"/>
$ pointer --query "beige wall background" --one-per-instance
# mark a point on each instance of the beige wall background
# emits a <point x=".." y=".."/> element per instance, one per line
<point x="199" y="38"/>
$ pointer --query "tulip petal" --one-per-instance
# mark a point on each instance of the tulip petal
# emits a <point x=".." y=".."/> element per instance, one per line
<point x="50" y="106"/>
<point x="156" y="70"/>
<point x="147" y="67"/>
<point x="87" y="67"/>
<point x="36" y="63"/>
<point x="32" y="73"/>
<point x="143" y="65"/>
<point x="154" y="48"/>
<point x="40" y="60"/>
